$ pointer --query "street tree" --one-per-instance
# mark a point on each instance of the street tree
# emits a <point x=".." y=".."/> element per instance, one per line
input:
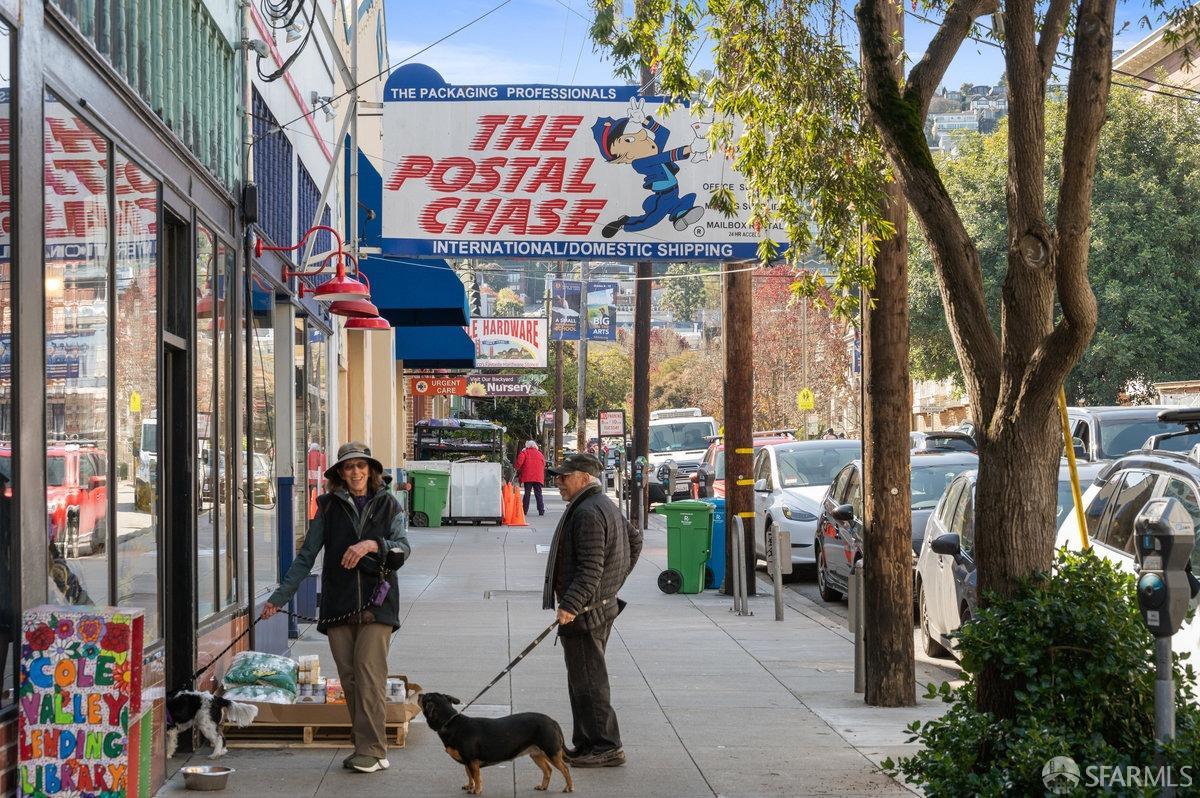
<point x="1147" y="170"/>
<point x="787" y="80"/>
<point x="508" y="303"/>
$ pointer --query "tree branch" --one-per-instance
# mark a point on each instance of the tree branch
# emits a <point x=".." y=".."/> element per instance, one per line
<point x="925" y="77"/>
<point x="1052" y="31"/>
<point x="956" y="258"/>
<point x="1087" y="99"/>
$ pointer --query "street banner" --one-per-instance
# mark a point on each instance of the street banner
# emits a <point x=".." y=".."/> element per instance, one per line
<point x="612" y="423"/>
<point x="500" y="385"/>
<point x="565" y="302"/>
<point x="510" y="343"/>
<point x="438" y="386"/>
<point x="553" y="172"/>
<point x="602" y="312"/>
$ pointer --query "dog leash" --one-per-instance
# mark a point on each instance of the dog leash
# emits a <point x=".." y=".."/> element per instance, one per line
<point x="384" y="574"/>
<point x="536" y="641"/>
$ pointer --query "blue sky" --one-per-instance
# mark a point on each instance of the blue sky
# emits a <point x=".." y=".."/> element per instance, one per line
<point x="545" y="41"/>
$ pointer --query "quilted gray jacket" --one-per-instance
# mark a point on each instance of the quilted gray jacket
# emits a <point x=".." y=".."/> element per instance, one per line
<point x="593" y="551"/>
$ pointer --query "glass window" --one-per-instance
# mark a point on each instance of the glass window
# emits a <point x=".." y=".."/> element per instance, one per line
<point x="930" y="482"/>
<point x="9" y="574"/>
<point x="855" y="499"/>
<point x="1121" y="436"/>
<point x="1136" y="489"/>
<point x="260" y="474"/>
<point x="232" y="512"/>
<point x="318" y="416"/>
<point x="812" y="465"/>
<point x="210" y="464"/>
<point x="1186" y="494"/>
<point x="841" y="483"/>
<point x="136" y="385"/>
<point x="76" y="174"/>
<point x="300" y="425"/>
<point x="946" y="511"/>
<point x="762" y="468"/>
<point x="719" y="465"/>
<point x="680" y="436"/>
<point x="964" y="520"/>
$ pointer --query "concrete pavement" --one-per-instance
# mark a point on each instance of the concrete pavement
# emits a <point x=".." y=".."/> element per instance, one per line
<point x="709" y="703"/>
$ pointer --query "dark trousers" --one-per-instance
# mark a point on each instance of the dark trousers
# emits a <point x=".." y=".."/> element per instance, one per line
<point x="536" y="487"/>
<point x="595" y="722"/>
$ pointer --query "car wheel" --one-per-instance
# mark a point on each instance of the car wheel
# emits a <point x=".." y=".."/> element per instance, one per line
<point x="71" y="549"/>
<point x="931" y="646"/>
<point x="827" y="592"/>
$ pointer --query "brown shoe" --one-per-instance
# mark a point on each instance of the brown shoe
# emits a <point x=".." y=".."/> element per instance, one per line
<point x="599" y="759"/>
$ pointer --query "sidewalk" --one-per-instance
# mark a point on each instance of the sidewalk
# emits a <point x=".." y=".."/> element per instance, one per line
<point x="709" y="703"/>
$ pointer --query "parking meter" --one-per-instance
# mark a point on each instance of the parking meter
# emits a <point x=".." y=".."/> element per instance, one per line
<point x="1165" y="587"/>
<point x="666" y="477"/>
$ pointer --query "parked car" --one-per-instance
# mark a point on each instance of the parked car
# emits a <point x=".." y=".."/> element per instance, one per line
<point x="76" y="498"/>
<point x="681" y="436"/>
<point x="944" y="440"/>
<point x="839" y="528"/>
<point x="945" y="586"/>
<point x="1106" y="433"/>
<point x="790" y="481"/>
<point x="709" y="479"/>
<point x="1116" y="497"/>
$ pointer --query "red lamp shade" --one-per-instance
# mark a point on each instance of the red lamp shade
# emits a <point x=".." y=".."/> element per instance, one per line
<point x="376" y="324"/>
<point x="354" y="308"/>
<point x="342" y="289"/>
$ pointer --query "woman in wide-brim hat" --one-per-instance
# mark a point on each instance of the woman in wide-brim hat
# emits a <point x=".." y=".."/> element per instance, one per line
<point x="362" y="528"/>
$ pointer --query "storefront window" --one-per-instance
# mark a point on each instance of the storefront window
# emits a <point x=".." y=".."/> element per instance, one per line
<point x="317" y="415"/>
<point x="9" y="574"/>
<point x="300" y="445"/>
<point x="76" y="178"/>
<point x="231" y="509"/>
<point x="136" y="386"/>
<point x="210" y="462"/>
<point x="260" y="474"/>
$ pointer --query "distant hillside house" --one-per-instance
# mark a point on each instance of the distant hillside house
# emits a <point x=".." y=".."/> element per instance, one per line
<point x="1154" y="59"/>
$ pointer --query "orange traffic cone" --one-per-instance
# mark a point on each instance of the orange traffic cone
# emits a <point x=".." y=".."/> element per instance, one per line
<point x="505" y="504"/>
<point x="518" y="510"/>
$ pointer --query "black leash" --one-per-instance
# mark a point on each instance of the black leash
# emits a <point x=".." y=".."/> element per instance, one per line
<point x="384" y="574"/>
<point x="537" y="640"/>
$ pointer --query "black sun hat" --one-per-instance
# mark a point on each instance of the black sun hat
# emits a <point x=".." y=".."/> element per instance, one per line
<point x="354" y="450"/>
<point x="578" y="462"/>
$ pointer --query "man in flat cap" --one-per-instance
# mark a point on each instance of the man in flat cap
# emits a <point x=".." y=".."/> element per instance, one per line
<point x="591" y="554"/>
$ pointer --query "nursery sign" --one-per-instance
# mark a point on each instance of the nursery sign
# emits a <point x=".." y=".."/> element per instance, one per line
<point x="80" y="699"/>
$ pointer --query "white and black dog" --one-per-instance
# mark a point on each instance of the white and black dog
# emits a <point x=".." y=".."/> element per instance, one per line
<point x="208" y="713"/>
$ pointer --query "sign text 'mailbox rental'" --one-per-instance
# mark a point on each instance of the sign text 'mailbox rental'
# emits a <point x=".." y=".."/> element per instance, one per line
<point x="577" y="172"/>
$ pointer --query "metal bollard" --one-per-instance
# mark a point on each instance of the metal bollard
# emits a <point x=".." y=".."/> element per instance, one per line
<point x="777" y="571"/>
<point x="854" y="621"/>
<point x="741" y="597"/>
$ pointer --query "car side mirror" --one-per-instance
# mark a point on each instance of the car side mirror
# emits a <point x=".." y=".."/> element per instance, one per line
<point x="947" y="544"/>
<point x="761" y="486"/>
<point x="843" y="512"/>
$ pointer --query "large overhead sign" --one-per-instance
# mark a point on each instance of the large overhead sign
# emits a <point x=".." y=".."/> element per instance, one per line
<point x="510" y="343"/>
<point x="563" y="172"/>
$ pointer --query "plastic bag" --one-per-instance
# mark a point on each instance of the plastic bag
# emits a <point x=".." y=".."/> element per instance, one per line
<point x="260" y="694"/>
<point x="268" y="670"/>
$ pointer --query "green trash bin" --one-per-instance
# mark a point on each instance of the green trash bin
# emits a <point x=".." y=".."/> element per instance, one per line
<point x="689" y="539"/>
<point x="430" y="490"/>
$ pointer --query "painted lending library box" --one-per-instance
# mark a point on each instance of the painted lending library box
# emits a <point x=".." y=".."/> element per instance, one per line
<point x="80" y="702"/>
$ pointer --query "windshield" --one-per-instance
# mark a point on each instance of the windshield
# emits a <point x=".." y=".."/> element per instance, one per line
<point x="812" y="465"/>
<point x="56" y="471"/>
<point x="1119" y="437"/>
<point x="930" y="482"/>
<point x="680" y="436"/>
<point x="949" y="442"/>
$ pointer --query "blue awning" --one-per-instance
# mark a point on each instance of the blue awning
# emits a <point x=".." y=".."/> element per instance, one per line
<point x="417" y="293"/>
<point x="435" y="348"/>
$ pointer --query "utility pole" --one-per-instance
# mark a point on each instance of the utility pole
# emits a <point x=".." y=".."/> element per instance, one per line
<point x="642" y="287"/>
<point x="738" y="337"/>
<point x="581" y="366"/>
<point x="887" y="416"/>
<point x="558" y="385"/>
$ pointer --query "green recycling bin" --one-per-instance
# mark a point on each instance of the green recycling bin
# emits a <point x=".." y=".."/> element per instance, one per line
<point x="689" y="539"/>
<point x="430" y="489"/>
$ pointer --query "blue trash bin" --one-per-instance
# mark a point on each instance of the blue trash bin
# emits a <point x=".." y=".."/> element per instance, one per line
<point x="715" y="575"/>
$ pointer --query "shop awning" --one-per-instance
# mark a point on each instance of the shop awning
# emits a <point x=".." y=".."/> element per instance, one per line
<point x="435" y="348"/>
<point x="417" y="293"/>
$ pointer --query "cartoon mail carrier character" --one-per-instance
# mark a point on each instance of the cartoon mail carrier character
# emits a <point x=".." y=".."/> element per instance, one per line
<point x="628" y="140"/>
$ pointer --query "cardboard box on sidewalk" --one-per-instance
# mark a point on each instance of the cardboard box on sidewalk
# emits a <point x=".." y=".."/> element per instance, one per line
<point x="304" y="725"/>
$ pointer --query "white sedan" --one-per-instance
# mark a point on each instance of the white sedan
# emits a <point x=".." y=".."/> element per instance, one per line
<point x="790" y="481"/>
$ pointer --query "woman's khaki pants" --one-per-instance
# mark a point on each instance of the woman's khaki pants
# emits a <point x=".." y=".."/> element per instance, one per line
<point x="360" y="651"/>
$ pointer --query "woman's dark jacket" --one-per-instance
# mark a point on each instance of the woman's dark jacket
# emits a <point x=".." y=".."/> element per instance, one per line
<point x="337" y="526"/>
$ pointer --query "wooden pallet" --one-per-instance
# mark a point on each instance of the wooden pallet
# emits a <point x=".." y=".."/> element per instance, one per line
<point x="295" y="735"/>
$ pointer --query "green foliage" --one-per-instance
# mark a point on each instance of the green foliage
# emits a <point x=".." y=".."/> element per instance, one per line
<point x="509" y="304"/>
<point x="811" y="168"/>
<point x="1145" y="244"/>
<point x="1075" y="650"/>
<point x="684" y="295"/>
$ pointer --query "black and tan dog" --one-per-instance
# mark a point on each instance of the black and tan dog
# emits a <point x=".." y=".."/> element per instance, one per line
<point x="479" y="742"/>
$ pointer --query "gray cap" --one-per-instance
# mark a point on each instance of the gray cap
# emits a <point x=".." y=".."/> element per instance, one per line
<point x="354" y="450"/>
<point x="579" y="462"/>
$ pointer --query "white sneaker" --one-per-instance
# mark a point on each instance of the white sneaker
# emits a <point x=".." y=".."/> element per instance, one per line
<point x="368" y="764"/>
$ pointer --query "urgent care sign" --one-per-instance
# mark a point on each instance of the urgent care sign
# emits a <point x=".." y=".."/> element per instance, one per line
<point x="564" y="172"/>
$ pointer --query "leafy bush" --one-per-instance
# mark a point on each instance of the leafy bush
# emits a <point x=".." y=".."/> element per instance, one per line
<point x="1081" y="661"/>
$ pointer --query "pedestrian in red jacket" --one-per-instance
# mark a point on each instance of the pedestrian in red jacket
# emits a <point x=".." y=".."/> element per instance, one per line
<point x="531" y="472"/>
